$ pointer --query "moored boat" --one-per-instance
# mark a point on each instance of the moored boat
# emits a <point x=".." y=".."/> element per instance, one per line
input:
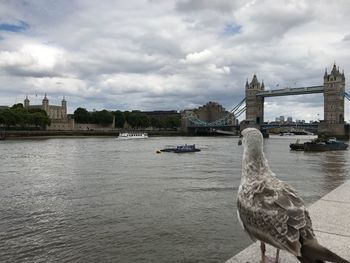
<point x="320" y="145"/>
<point x="325" y="145"/>
<point x="129" y="136"/>
<point x="297" y="146"/>
<point x="187" y="148"/>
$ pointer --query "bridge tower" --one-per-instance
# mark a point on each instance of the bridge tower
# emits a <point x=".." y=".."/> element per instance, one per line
<point x="334" y="88"/>
<point x="254" y="104"/>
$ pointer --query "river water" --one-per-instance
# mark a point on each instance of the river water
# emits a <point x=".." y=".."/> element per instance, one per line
<point x="104" y="200"/>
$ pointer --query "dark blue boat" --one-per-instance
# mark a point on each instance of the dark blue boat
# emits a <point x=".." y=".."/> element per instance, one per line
<point x="320" y="145"/>
<point x="187" y="148"/>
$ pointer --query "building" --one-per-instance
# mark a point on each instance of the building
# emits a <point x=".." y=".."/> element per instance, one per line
<point x="254" y="104"/>
<point x="53" y="111"/>
<point x="209" y="116"/>
<point x="334" y="88"/>
<point x="57" y="114"/>
<point x="212" y="111"/>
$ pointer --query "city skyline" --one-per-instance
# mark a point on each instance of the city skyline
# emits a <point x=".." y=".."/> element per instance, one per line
<point x="156" y="55"/>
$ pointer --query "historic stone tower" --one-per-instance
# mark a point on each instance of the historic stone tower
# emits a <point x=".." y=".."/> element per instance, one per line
<point x="334" y="88"/>
<point x="46" y="104"/>
<point x="64" y="108"/>
<point x="254" y="104"/>
<point x="26" y="102"/>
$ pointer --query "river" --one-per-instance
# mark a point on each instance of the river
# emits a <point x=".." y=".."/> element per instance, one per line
<point x="105" y="200"/>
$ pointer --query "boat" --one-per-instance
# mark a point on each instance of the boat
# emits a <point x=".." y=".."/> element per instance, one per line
<point x="320" y="145"/>
<point x="187" y="148"/>
<point x="129" y="136"/>
<point x="325" y="145"/>
<point x="287" y="134"/>
<point x="297" y="146"/>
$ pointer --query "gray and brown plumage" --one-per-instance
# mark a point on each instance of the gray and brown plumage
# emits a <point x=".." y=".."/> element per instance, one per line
<point x="271" y="211"/>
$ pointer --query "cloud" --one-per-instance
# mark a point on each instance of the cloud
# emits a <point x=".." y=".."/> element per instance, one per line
<point x="173" y="54"/>
<point x="197" y="5"/>
<point x="32" y="60"/>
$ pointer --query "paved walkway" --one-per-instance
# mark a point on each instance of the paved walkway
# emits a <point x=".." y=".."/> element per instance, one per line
<point x="331" y="222"/>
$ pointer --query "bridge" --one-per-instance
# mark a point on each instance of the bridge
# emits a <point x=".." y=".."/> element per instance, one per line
<point x="333" y="90"/>
<point x="212" y="117"/>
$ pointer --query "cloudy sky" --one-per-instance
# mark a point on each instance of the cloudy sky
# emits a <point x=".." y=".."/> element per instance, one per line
<point x="170" y="54"/>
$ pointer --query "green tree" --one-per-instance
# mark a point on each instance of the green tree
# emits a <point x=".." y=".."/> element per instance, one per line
<point x="155" y="122"/>
<point x="172" y="122"/>
<point x="138" y="120"/>
<point x="9" y="118"/>
<point x="17" y="106"/>
<point x="119" y="119"/>
<point x="81" y="115"/>
<point x="103" y="117"/>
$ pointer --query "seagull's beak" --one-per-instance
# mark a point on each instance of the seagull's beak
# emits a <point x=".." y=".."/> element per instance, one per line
<point x="239" y="142"/>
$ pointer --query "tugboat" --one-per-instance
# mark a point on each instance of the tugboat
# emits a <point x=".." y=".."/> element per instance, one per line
<point x="319" y="145"/>
<point x="187" y="148"/>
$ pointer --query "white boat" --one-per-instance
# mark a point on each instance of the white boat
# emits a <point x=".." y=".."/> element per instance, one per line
<point x="129" y="136"/>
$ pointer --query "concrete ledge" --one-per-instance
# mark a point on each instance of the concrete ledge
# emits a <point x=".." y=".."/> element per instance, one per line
<point x="331" y="222"/>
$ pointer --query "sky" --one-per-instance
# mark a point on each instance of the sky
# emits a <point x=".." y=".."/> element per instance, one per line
<point x="170" y="55"/>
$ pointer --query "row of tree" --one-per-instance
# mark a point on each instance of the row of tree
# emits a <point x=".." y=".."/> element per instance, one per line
<point x="103" y="117"/>
<point x="19" y="117"/>
<point x="133" y="119"/>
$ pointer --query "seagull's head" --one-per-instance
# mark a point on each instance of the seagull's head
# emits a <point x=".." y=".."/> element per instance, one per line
<point x="252" y="140"/>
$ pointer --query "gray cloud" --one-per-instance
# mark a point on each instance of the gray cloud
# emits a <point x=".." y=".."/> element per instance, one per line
<point x="170" y="54"/>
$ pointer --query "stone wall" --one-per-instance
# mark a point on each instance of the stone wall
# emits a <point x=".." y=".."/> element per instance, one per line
<point x="332" y="130"/>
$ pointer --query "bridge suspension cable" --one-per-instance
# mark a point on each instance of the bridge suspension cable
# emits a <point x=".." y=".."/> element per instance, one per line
<point x="226" y="120"/>
<point x="239" y="113"/>
<point x="237" y="106"/>
<point x="347" y="95"/>
<point x="237" y="110"/>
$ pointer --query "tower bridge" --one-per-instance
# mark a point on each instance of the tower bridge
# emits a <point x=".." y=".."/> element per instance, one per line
<point x="213" y="116"/>
<point x="333" y="90"/>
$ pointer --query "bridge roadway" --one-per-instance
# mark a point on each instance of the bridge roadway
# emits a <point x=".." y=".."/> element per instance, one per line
<point x="291" y="91"/>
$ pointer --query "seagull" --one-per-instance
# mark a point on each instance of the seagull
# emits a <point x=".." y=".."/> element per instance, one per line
<point x="271" y="211"/>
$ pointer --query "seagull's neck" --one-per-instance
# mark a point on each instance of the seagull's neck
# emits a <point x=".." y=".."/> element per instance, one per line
<point x="254" y="165"/>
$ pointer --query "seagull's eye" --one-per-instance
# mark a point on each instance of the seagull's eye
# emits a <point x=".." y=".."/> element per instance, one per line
<point x="239" y="142"/>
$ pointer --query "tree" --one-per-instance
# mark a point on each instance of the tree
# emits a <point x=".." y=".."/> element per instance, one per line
<point x="103" y="117"/>
<point x="17" y="106"/>
<point x="172" y="122"/>
<point x="119" y="119"/>
<point x="137" y="120"/>
<point x="155" y="123"/>
<point x="81" y="115"/>
<point x="8" y="117"/>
